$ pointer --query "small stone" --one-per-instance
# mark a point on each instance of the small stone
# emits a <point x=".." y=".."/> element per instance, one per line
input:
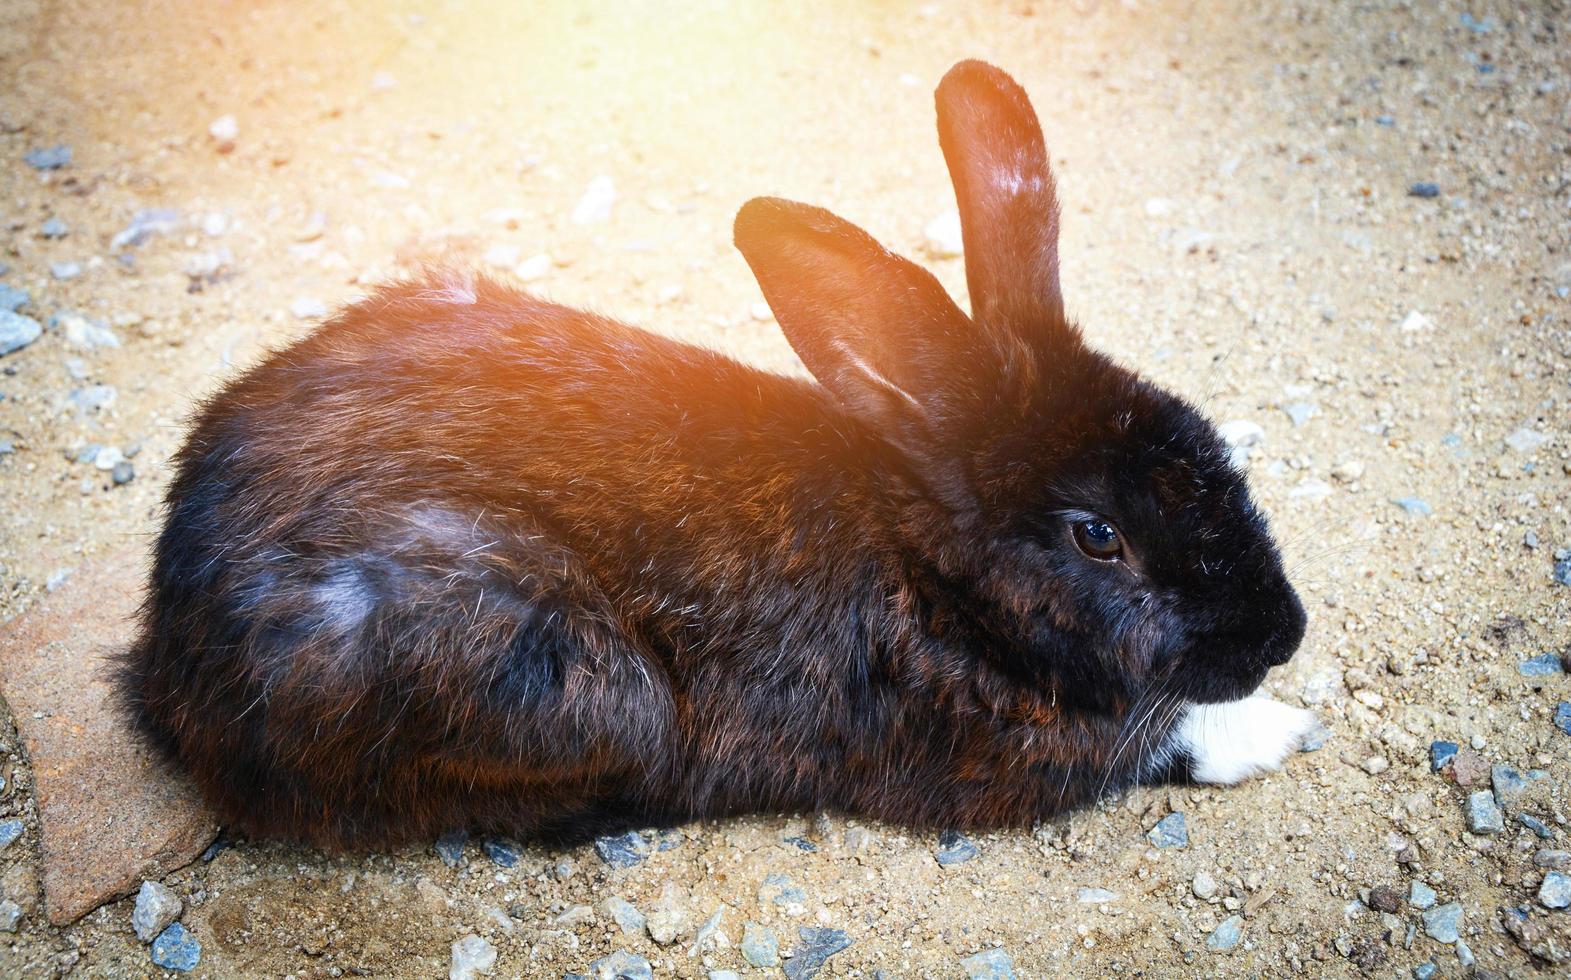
<point x="215" y="223"/>
<point x="176" y="949"/>
<point x="1384" y="898"/>
<point x="1443" y="922"/>
<point x="990" y="964"/>
<point x="1310" y="489"/>
<point x="64" y="271"/>
<point x="777" y="889"/>
<point x="1483" y="814"/>
<point x="1241" y="433"/>
<point x="1536" y="825"/>
<point x="1171" y="831"/>
<point x="563" y="869"/>
<point x="1424" y="971"/>
<point x="1441" y="754"/>
<point x="596" y="203"/>
<point x="13" y="299"/>
<point x="1415" y="506"/>
<point x="1562" y="572"/>
<point x="1226" y="935"/>
<point x="224" y="130"/>
<point x="49" y="157"/>
<point x="17" y="331"/>
<point x="1555" y="892"/>
<point x="1509" y="785"/>
<point x="818" y="944"/>
<point x="1315" y="739"/>
<point x="472" y="956"/>
<point x="724" y="975"/>
<point x="623" y="850"/>
<point x="1563" y="716"/>
<point x="621" y="965"/>
<point x="1424" y="189"/>
<point x="10" y="830"/>
<point x="450" y="847"/>
<point x="10" y="916"/>
<point x="1416" y="322"/>
<point x="1468" y="768"/>
<point x="144" y="225"/>
<point x="307" y="308"/>
<point x="122" y="473"/>
<point x="1204" y="886"/>
<point x="1420" y="895"/>
<point x="624" y="914"/>
<point x="502" y="851"/>
<point x="1542" y="665"/>
<point x="1553" y="860"/>
<point x="954" y="848"/>
<point x="942" y="238"/>
<point x="1464" y="954"/>
<point x="534" y="268"/>
<point x="53" y="228"/>
<point x="1300" y="412"/>
<point x="156" y="907"/>
<point x="1525" y="441"/>
<point x="760" y="945"/>
<point x="801" y="844"/>
<point x="1348" y="471"/>
<point x="1375" y="764"/>
<point x="574" y="916"/>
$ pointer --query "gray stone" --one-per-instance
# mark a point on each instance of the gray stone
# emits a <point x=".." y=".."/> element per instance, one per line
<point x="502" y="851"/>
<point x="954" y="848"/>
<point x="1420" y="896"/>
<point x="1444" y="922"/>
<point x="1226" y="935"/>
<point x="1483" y="813"/>
<point x="1554" y="860"/>
<point x="1509" y="785"/>
<point x="450" y="847"/>
<point x="1423" y="188"/>
<point x="122" y="473"/>
<point x="156" y="907"/>
<point x="1171" y="831"/>
<point x="66" y="270"/>
<point x="990" y="964"/>
<point x="1464" y="954"/>
<point x="144" y="225"/>
<point x="760" y="945"/>
<point x="10" y="916"/>
<point x="17" y="331"/>
<point x="596" y="204"/>
<point x="724" y="975"/>
<point x="1424" y="971"/>
<point x="49" y="157"/>
<point x="1315" y="739"/>
<point x="13" y="299"/>
<point x="472" y="956"/>
<point x="54" y="228"/>
<point x="1441" y="754"/>
<point x="778" y="889"/>
<point x="1542" y="665"/>
<point x="1562" y="572"/>
<point x="92" y="397"/>
<point x="177" y="949"/>
<point x="624" y="914"/>
<point x="1563" y="716"/>
<point x="1300" y="412"/>
<point x="621" y="965"/>
<point x="10" y="830"/>
<point x="1415" y="506"/>
<point x="1095" y="896"/>
<point x="623" y="850"/>
<point x="818" y="944"/>
<point x="1555" y="892"/>
<point x="1204" y="886"/>
<point x="1536" y="825"/>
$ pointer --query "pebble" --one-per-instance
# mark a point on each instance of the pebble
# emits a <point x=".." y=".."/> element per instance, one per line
<point x="942" y="238"/>
<point x="623" y="850"/>
<point x="156" y="907"/>
<point x="724" y="975"/>
<point x="224" y="130"/>
<point x="1536" y="825"/>
<point x="1563" y="716"/>
<point x="65" y="271"/>
<point x="1483" y="814"/>
<point x="1095" y="896"/>
<point x="1541" y="666"/>
<point x="54" y="228"/>
<point x="10" y="916"/>
<point x="576" y="915"/>
<point x="1424" y="971"/>
<point x="1443" y="922"/>
<point x="1226" y="935"/>
<point x="534" y="268"/>
<point x="17" y="331"/>
<point x="81" y="333"/>
<point x="1509" y="785"/>
<point x="1384" y="898"/>
<point x="1300" y="412"/>
<point x="1424" y="189"/>
<point x="1348" y="471"/>
<point x="1315" y="739"/>
<point x="176" y="949"/>
<point x="777" y="889"/>
<point x="1415" y="506"/>
<point x="760" y="945"/>
<point x="1420" y="895"/>
<point x="49" y="157"/>
<point x="12" y="299"/>
<point x="954" y="848"/>
<point x="1562" y="572"/>
<point x="1464" y="954"/>
<point x="1468" y="768"/>
<point x="1554" y="860"/>
<point x="1555" y="892"/>
<point x="1204" y="886"/>
<point x="801" y="844"/>
<point x="597" y="201"/>
<point x="144" y="225"/>
<point x="1441" y="754"/>
<point x="624" y="914"/>
<point x="501" y="851"/>
<point x="990" y="964"/>
<point x="472" y="955"/>
<point x="1416" y="322"/>
<point x="818" y="944"/>
<point x="450" y="847"/>
<point x="10" y="830"/>
<point x="1171" y="831"/>
<point x="621" y="965"/>
<point x="308" y="308"/>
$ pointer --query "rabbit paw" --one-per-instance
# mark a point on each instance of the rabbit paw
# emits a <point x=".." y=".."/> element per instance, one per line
<point x="1227" y="743"/>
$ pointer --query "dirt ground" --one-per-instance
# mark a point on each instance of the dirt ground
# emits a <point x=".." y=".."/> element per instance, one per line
<point x="1240" y="222"/>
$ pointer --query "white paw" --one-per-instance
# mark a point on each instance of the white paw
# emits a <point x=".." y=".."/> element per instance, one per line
<point x="1230" y="742"/>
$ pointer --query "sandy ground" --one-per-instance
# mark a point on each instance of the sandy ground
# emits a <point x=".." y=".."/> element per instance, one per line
<point x="1238" y="224"/>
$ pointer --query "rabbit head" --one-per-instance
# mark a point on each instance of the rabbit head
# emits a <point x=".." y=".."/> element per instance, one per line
<point x="1084" y="529"/>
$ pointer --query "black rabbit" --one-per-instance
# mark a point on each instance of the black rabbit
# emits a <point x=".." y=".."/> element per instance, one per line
<point x="464" y="558"/>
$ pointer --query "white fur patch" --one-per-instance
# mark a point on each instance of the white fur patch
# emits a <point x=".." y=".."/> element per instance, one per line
<point x="1230" y="742"/>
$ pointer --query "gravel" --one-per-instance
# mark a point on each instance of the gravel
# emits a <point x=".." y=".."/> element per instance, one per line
<point x="621" y="965"/>
<point x="1562" y="717"/>
<point x="1171" y="831"/>
<point x="1424" y="189"/>
<point x="778" y="889"/>
<point x="176" y="949"/>
<point x="1227" y="935"/>
<point x="624" y="914"/>
<point x="450" y="847"/>
<point x="954" y="848"/>
<point x="623" y="850"/>
<point x="10" y="830"/>
<point x="1483" y="814"/>
<point x="760" y="945"/>
<point x="53" y="228"/>
<point x="1442" y="922"/>
<point x="49" y="157"/>
<point x="472" y="956"/>
<point x="17" y="331"/>
<point x="156" y="907"/>
<point x="817" y="945"/>
<point x="990" y="964"/>
<point x="1555" y="892"/>
<point x="502" y="851"/>
<point x="12" y="299"/>
<point x="1441" y="754"/>
<point x="1542" y="665"/>
<point x="1204" y="886"/>
<point x="1420" y="895"/>
<point x="146" y="224"/>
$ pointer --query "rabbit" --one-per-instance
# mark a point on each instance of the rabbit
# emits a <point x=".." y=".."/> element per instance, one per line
<point x="464" y="558"/>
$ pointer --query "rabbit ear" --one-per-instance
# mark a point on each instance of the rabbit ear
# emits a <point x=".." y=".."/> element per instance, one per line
<point x="875" y="329"/>
<point x="1008" y="208"/>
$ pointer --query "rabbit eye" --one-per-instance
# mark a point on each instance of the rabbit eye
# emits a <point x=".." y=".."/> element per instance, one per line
<point x="1099" y="540"/>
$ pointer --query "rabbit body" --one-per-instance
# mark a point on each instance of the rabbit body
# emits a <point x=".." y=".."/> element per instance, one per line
<point x="464" y="558"/>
